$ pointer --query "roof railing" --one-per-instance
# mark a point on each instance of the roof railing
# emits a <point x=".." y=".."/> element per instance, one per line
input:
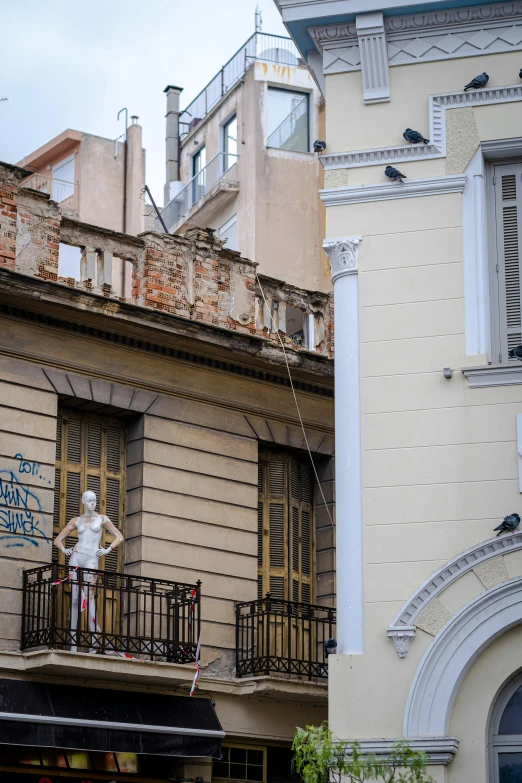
<point x="259" y="47"/>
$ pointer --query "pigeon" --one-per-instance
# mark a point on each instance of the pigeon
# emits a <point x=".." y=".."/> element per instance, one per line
<point x="520" y="73"/>
<point x="394" y="174"/>
<point x="414" y="137"/>
<point x="478" y="82"/>
<point x="319" y="146"/>
<point x="516" y="353"/>
<point x="330" y="646"/>
<point x="509" y="524"/>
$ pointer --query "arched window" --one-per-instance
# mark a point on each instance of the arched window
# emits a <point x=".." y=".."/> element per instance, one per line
<point x="505" y="745"/>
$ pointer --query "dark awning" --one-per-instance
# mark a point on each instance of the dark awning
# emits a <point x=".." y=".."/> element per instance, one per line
<point x="65" y="716"/>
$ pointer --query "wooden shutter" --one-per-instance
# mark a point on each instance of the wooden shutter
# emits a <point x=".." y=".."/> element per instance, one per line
<point x="90" y="454"/>
<point x="285" y="528"/>
<point x="508" y="205"/>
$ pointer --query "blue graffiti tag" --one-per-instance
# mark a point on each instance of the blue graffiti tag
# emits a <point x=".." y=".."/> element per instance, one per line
<point x="20" y="512"/>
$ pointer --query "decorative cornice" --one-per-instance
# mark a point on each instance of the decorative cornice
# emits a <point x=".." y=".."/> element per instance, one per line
<point x="446" y="575"/>
<point x="437" y="130"/>
<point x="343" y="254"/>
<point x="443" y="18"/>
<point x="401" y="637"/>
<point x="439" y="750"/>
<point x="430" y="186"/>
<point x="504" y="375"/>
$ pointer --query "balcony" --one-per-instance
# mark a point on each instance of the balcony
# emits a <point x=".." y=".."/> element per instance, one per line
<point x="66" y="194"/>
<point x="208" y="192"/>
<point x="85" y="610"/>
<point x="259" y="47"/>
<point x="282" y="638"/>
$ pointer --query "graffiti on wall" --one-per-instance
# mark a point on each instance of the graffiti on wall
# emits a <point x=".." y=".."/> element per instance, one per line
<point x="21" y="516"/>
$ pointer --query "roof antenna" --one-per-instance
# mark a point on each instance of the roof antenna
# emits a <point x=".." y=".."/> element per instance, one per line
<point x="259" y="19"/>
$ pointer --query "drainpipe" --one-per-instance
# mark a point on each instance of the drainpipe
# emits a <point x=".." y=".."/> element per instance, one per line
<point x="172" y="177"/>
<point x="343" y="255"/>
<point x="124" y="220"/>
<point x="135" y="179"/>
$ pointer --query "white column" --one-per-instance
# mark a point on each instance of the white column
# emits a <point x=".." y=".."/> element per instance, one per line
<point x="342" y="253"/>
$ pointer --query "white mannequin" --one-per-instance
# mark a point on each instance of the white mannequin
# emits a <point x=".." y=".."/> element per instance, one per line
<point x="89" y="527"/>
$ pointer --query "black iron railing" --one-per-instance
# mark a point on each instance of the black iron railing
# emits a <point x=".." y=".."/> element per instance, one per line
<point x="117" y="614"/>
<point x="282" y="637"/>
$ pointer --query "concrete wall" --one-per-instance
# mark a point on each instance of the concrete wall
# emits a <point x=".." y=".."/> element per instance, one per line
<point x="279" y="212"/>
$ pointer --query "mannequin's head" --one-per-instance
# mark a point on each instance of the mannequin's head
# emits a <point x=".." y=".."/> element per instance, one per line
<point x="89" y="500"/>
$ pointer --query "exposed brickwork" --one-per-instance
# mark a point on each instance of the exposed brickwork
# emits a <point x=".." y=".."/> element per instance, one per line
<point x="8" y="192"/>
<point x="190" y="276"/>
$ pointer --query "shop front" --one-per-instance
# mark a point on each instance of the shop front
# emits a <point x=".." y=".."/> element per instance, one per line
<point x="64" y="733"/>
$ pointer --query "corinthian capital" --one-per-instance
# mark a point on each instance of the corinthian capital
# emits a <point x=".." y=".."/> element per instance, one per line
<point x="342" y="253"/>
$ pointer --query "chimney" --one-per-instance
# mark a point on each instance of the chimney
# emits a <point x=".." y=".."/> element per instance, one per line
<point x="134" y="220"/>
<point x="172" y="178"/>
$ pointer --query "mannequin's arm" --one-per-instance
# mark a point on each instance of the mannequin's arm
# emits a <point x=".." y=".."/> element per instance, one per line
<point x="58" y="541"/>
<point x="118" y="538"/>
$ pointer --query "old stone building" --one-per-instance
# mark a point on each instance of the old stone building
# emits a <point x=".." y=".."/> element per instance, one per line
<point x="175" y="406"/>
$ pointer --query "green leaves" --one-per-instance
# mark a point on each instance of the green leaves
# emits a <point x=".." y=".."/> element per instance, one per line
<point x="320" y="758"/>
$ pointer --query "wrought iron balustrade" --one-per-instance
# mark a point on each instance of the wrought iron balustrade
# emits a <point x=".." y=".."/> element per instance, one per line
<point x="282" y="637"/>
<point x="87" y="610"/>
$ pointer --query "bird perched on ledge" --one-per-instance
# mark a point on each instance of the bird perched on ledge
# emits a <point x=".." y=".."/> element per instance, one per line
<point x="509" y="524"/>
<point x="319" y="146"/>
<point x="478" y="82"/>
<point x="520" y="73"/>
<point x="516" y="353"/>
<point x="394" y="174"/>
<point x="414" y="137"/>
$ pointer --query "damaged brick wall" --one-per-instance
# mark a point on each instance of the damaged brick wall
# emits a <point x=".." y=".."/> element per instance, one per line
<point x="189" y="276"/>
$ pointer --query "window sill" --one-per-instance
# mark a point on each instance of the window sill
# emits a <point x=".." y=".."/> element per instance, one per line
<point x="493" y="375"/>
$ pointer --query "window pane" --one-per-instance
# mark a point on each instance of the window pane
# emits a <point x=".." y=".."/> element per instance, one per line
<point x="255" y="773"/>
<point x="199" y="161"/>
<point x="104" y="762"/>
<point x="255" y="757"/>
<point x="78" y="759"/>
<point x="511" y="722"/>
<point x="238" y="755"/>
<point x="230" y="143"/>
<point x="287" y="120"/>
<point x="53" y="758"/>
<point x="238" y="771"/>
<point x="220" y="769"/>
<point x="127" y="762"/>
<point x="510" y="767"/>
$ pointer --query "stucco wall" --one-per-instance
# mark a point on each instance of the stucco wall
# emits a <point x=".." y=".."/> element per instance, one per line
<point x="439" y="460"/>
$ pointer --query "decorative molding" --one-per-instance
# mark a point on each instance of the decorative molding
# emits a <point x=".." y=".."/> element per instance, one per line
<point x="425" y="37"/>
<point x="343" y="255"/>
<point x="113" y="395"/>
<point x="430" y="186"/>
<point x="438" y="104"/>
<point x="439" y="750"/>
<point x="493" y="375"/>
<point x="401" y="636"/>
<point x="449" y="573"/>
<point x="374" y="57"/>
<point x="452" y="653"/>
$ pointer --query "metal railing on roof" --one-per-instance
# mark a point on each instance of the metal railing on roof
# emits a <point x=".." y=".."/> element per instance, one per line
<point x="260" y="46"/>
<point x="222" y="168"/>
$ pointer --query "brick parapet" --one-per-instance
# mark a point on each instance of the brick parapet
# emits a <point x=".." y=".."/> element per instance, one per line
<point x="190" y="276"/>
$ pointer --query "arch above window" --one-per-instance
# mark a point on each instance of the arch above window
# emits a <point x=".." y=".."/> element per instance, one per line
<point x="505" y="734"/>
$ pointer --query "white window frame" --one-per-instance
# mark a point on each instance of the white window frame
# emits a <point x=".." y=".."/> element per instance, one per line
<point x="223" y="148"/>
<point x="306" y="94"/>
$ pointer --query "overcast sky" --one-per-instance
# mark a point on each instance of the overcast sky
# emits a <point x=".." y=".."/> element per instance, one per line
<point x="74" y="64"/>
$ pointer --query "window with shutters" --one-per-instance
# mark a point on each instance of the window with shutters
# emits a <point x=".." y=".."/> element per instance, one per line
<point x="506" y="272"/>
<point x="90" y="454"/>
<point x="286" y="559"/>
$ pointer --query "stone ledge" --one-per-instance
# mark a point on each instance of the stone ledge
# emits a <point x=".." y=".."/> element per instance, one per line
<point x="439" y="750"/>
<point x="493" y="375"/>
<point x="178" y="677"/>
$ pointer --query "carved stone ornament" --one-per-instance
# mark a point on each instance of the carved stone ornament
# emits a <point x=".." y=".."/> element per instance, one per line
<point x="401" y="637"/>
<point x="343" y="254"/>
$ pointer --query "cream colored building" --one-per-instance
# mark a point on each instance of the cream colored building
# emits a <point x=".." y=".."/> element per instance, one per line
<point x="428" y="404"/>
<point x="174" y="404"/>
<point x="240" y="160"/>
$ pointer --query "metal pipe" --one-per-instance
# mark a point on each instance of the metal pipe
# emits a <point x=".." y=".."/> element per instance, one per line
<point x="158" y="213"/>
<point x="124" y="222"/>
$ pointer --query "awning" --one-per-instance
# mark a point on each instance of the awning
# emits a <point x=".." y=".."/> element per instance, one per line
<point x="65" y="716"/>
